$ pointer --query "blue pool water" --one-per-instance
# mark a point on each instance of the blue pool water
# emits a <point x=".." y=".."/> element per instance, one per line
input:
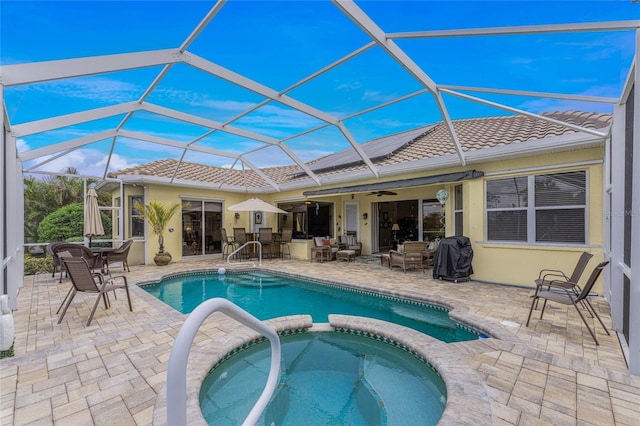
<point x="326" y="379"/>
<point x="267" y="295"/>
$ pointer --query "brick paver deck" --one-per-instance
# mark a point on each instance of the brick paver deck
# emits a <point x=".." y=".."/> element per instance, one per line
<point x="114" y="371"/>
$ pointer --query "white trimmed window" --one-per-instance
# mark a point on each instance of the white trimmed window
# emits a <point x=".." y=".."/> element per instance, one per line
<point x="136" y="228"/>
<point x="457" y="210"/>
<point x="549" y="208"/>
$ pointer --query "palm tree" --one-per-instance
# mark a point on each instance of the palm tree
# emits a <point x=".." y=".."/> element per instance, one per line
<point x="67" y="189"/>
<point x="158" y="215"/>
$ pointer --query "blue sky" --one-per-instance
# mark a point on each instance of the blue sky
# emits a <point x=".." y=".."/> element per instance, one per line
<point x="279" y="43"/>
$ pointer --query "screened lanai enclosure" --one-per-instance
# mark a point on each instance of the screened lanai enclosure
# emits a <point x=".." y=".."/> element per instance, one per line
<point x="248" y="86"/>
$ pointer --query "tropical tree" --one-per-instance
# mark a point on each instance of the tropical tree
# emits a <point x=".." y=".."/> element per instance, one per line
<point x="158" y="215"/>
<point x="44" y="196"/>
<point x="67" y="189"/>
<point x="38" y="203"/>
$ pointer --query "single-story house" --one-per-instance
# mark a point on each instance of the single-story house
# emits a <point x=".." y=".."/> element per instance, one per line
<point x="529" y="196"/>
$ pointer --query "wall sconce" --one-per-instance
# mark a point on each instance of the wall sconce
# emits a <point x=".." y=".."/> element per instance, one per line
<point x="170" y="229"/>
<point x="237" y="215"/>
<point x="365" y="216"/>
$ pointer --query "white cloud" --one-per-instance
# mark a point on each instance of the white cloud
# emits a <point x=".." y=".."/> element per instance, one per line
<point x="225" y="105"/>
<point x="117" y="162"/>
<point x="375" y="95"/>
<point x="354" y="85"/>
<point x="88" y="162"/>
<point x="101" y="89"/>
<point x="22" y="145"/>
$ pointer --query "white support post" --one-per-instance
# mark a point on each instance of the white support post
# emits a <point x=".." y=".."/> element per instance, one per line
<point x="634" y="302"/>
<point x="3" y="170"/>
<point x="616" y="268"/>
<point x="14" y="211"/>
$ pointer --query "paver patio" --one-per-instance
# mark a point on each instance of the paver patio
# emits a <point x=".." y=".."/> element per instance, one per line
<point x="114" y="371"/>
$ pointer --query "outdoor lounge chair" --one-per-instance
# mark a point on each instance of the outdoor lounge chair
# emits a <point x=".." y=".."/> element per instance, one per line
<point x="559" y="291"/>
<point x="412" y="256"/>
<point x="120" y="255"/>
<point x="85" y="281"/>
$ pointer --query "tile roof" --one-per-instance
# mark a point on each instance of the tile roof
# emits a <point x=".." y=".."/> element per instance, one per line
<point x="474" y="134"/>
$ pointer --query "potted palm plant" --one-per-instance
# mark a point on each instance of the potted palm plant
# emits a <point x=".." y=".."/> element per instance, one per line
<point x="158" y="215"/>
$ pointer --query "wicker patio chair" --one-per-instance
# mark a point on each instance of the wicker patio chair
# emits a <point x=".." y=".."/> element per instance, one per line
<point x="94" y="260"/>
<point x="411" y="257"/>
<point x="56" y="260"/>
<point x="120" y="255"/>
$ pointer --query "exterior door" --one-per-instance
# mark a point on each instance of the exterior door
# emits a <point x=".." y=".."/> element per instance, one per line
<point x="351" y="219"/>
<point x="201" y="224"/>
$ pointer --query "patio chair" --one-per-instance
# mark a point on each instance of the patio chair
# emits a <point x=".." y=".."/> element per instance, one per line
<point x="56" y="260"/>
<point x="265" y="237"/>
<point x="120" y="255"/>
<point x="411" y="256"/>
<point x="558" y="291"/>
<point x="350" y="242"/>
<point x="323" y="250"/>
<point x="85" y="281"/>
<point x="546" y="275"/>
<point x="240" y="237"/>
<point x="227" y="242"/>
<point x="94" y="260"/>
<point x="285" y="241"/>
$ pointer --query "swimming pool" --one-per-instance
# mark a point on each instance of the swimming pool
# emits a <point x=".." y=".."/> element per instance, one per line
<point x="327" y="378"/>
<point x="268" y="295"/>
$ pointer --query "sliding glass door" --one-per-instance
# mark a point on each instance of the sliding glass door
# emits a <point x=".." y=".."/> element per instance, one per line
<point x="201" y="224"/>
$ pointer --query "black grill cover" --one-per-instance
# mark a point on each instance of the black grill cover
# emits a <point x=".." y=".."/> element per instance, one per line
<point x="452" y="260"/>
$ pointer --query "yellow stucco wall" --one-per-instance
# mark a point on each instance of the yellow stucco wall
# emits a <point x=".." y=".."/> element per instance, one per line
<point x="520" y="263"/>
<point x="516" y="264"/>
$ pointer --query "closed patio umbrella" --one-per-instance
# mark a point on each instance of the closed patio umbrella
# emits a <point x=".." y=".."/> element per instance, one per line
<point x="255" y="205"/>
<point x="92" y="221"/>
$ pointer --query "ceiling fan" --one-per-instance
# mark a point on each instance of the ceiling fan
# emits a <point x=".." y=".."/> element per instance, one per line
<point x="381" y="193"/>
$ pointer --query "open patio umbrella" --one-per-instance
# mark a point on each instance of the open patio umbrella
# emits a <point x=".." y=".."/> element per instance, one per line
<point x="92" y="221"/>
<point x="255" y="205"/>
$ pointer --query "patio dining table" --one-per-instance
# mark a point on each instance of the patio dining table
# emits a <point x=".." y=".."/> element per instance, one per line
<point x="103" y="251"/>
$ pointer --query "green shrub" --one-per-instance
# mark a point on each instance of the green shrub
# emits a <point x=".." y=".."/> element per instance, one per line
<point x="32" y="265"/>
<point x="67" y="224"/>
<point x="8" y="353"/>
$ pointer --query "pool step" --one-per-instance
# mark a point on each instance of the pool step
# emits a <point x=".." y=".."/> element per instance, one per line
<point x="254" y="279"/>
<point x="385" y="380"/>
